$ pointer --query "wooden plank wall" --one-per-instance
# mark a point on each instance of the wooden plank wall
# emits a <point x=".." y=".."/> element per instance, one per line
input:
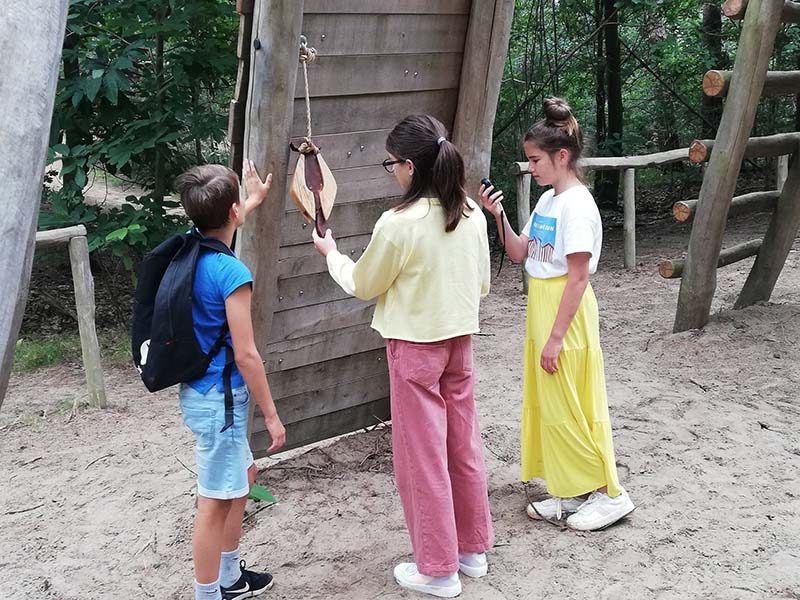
<point x="378" y="61"/>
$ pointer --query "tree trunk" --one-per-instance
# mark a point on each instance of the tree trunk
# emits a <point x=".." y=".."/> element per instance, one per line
<point x="600" y="101"/>
<point x="31" y="34"/>
<point x="615" y="112"/>
<point x="712" y="36"/>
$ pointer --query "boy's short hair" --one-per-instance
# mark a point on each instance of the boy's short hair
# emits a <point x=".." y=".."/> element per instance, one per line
<point x="207" y="194"/>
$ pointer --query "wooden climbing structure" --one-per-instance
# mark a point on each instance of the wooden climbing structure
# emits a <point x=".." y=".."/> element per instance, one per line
<point x="377" y="62"/>
<point x="742" y="89"/>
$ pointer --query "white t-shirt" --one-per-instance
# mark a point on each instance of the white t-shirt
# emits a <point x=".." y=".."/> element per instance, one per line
<point x="561" y="225"/>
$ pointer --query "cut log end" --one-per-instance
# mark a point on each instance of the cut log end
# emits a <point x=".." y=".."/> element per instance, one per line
<point x="681" y="211"/>
<point x="714" y="84"/>
<point x="667" y="269"/>
<point x="698" y="152"/>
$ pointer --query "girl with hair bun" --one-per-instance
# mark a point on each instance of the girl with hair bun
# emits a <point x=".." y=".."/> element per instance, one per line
<point x="428" y="265"/>
<point x="566" y="432"/>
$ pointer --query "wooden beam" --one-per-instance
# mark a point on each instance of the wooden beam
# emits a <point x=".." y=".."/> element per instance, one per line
<point x="273" y="74"/>
<point x="672" y="269"/>
<point x="84" y="304"/>
<point x="615" y="163"/>
<point x="684" y="211"/>
<point x="699" y="279"/>
<point x="523" y="214"/>
<point x="481" y="73"/>
<point x="629" y="194"/>
<point x="781" y="171"/>
<point x="778" y="83"/>
<point x="736" y="10"/>
<point x="54" y="237"/>
<point x="412" y="7"/>
<point x="31" y="35"/>
<point x="756" y="147"/>
<point x="778" y="241"/>
<point x="239" y="103"/>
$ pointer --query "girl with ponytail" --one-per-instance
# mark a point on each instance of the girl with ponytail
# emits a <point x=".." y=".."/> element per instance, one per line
<point x="428" y="265"/>
<point x="566" y="431"/>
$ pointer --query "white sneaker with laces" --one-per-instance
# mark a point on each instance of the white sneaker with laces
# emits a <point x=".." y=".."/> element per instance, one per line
<point x="553" y="508"/>
<point x="473" y="564"/>
<point x="600" y="511"/>
<point x="407" y="575"/>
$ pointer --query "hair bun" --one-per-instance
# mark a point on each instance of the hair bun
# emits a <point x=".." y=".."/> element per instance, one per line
<point x="557" y="113"/>
<point x="556" y="110"/>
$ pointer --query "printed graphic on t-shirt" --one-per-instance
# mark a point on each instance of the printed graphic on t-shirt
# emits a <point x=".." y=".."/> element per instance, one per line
<point x="543" y="238"/>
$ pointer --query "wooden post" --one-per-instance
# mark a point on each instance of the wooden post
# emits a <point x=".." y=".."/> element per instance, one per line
<point x="270" y="101"/>
<point x="523" y="214"/>
<point x="782" y="172"/>
<point x="699" y="281"/>
<point x="31" y="35"/>
<point x="684" y="211"/>
<point x="778" y="240"/>
<point x="672" y="269"/>
<point x="481" y="73"/>
<point x="756" y="147"/>
<point x="84" y="306"/>
<point x="777" y="83"/>
<point x="736" y="9"/>
<point x="238" y="105"/>
<point x="629" y="192"/>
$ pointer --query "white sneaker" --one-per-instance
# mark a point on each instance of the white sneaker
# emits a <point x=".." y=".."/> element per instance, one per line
<point x="473" y="564"/>
<point x="553" y="508"/>
<point x="600" y="511"/>
<point x="407" y="576"/>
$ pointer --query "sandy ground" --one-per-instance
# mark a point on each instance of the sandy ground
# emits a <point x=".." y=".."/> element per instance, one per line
<point x="98" y="504"/>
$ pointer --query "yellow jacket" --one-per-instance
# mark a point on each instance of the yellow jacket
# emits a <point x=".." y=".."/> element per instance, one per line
<point x="428" y="282"/>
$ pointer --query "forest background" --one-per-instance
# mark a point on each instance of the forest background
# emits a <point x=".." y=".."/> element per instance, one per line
<point x="145" y="86"/>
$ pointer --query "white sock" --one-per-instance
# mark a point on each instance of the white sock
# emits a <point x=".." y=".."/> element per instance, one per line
<point x="207" y="591"/>
<point x="229" y="569"/>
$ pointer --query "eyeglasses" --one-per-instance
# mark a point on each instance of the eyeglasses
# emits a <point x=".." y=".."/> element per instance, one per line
<point x="389" y="164"/>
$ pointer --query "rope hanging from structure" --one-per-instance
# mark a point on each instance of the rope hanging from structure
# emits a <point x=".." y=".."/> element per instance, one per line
<point x="307" y="55"/>
<point x="313" y="188"/>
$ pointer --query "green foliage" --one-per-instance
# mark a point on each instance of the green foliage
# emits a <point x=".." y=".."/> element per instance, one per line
<point x="664" y="55"/>
<point x="126" y="231"/>
<point x="143" y="95"/>
<point x="37" y="352"/>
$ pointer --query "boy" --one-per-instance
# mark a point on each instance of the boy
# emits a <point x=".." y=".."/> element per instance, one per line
<point x="225" y="468"/>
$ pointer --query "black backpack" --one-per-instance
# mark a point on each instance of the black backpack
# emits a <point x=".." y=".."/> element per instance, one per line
<point x="165" y="347"/>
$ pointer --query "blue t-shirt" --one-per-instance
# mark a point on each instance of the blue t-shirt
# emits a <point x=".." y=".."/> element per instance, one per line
<point x="216" y="277"/>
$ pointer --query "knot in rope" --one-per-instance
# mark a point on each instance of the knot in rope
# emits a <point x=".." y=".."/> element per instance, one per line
<point x="307" y="55"/>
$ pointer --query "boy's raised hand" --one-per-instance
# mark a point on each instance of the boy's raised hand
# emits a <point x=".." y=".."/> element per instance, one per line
<point x="257" y="190"/>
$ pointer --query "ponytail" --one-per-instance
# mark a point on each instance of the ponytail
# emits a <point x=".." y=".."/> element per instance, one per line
<point x="448" y="182"/>
<point x="438" y="165"/>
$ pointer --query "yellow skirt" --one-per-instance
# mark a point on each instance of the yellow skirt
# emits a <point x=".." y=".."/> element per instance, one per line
<point x="566" y="431"/>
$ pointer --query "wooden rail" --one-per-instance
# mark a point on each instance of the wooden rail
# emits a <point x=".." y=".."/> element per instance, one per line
<point x="75" y="238"/>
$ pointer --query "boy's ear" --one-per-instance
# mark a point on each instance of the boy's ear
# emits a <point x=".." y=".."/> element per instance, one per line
<point x="233" y="211"/>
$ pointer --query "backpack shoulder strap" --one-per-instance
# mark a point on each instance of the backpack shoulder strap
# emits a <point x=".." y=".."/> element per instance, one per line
<point x="222" y="340"/>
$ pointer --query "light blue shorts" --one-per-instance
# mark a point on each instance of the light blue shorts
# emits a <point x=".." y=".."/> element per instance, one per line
<point x="222" y="458"/>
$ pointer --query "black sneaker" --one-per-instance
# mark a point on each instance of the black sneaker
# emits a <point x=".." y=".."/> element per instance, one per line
<point x="250" y="584"/>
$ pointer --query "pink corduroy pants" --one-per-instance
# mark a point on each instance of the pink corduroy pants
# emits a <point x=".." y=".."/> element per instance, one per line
<point x="438" y="452"/>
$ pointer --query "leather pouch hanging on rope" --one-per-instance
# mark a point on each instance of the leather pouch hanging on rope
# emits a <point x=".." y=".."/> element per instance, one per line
<point x="313" y="188"/>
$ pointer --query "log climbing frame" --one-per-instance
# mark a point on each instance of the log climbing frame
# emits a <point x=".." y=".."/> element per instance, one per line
<point x="742" y="89"/>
